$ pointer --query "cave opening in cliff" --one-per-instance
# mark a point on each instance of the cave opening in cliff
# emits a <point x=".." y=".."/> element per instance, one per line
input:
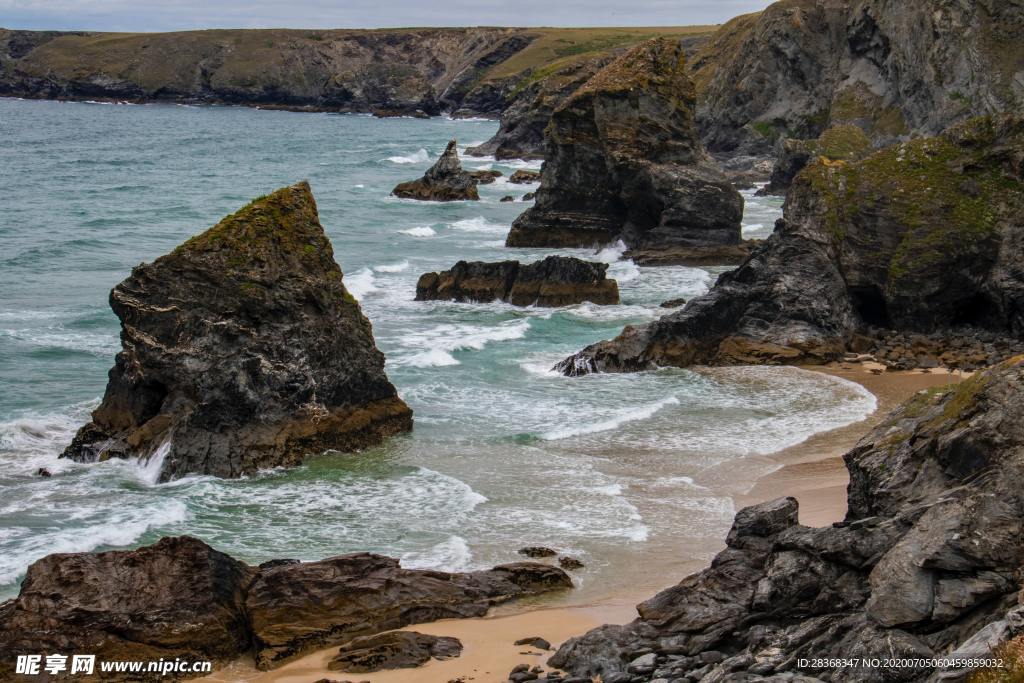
<point x="870" y="305"/>
<point x="976" y="311"/>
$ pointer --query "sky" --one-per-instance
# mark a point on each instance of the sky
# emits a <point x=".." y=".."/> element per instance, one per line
<point x="175" y="15"/>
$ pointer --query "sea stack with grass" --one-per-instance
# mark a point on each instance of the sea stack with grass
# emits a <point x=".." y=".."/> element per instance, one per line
<point x="623" y="161"/>
<point x="445" y="181"/>
<point x="241" y="350"/>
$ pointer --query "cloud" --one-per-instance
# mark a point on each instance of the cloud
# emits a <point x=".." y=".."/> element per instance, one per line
<point x="171" y="15"/>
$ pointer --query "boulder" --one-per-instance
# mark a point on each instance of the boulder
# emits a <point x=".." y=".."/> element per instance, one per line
<point x="241" y="350"/>
<point x="522" y="176"/>
<point x="927" y="562"/>
<point x="623" y="161"/>
<point x="554" y="281"/>
<point x="394" y="650"/>
<point x="179" y="598"/>
<point x="923" y="237"/>
<point x="485" y="176"/>
<point x="445" y="181"/>
<point x="537" y="551"/>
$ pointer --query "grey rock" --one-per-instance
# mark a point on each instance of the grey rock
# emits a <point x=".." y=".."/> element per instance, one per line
<point x="445" y="181"/>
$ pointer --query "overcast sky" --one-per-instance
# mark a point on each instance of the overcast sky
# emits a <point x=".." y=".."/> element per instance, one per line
<point x="171" y="15"/>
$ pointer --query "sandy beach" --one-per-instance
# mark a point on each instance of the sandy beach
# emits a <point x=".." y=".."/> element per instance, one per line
<point x="812" y="471"/>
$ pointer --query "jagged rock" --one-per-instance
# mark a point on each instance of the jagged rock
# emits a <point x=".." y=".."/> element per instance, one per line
<point x="801" y="66"/>
<point x="181" y="598"/>
<point x="242" y="349"/>
<point x="922" y="237"/>
<point x="445" y="181"/>
<point x="839" y="143"/>
<point x="927" y="562"/>
<point x="507" y="198"/>
<point x="522" y="176"/>
<point x="534" y="641"/>
<point x="554" y="281"/>
<point x="392" y="113"/>
<point x="623" y="161"/>
<point x="394" y="650"/>
<point x="673" y="303"/>
<point x="537" y="551"/>
<point x="529" y="196"/>
<point x="728" y="254"/>
<point x="521" y="132"/>
<point x="567" y="562"/>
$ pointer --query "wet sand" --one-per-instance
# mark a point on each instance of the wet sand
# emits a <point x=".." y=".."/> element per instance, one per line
<point x="812" y="471"/>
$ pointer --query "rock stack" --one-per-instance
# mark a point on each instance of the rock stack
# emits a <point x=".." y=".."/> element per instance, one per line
<point x="445" y="181"/>
<point x="623" y="161"/>
<point x="241" y="350"/>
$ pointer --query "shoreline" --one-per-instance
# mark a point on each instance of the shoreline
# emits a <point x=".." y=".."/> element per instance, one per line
<point x="813" y="472"/>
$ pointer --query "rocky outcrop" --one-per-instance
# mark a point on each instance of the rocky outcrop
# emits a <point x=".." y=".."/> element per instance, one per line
<point x="393" y="650"/>
<point x="521" y="132"/>
<point x="840" y="143"/>
<point x="555" y="281"/>
<point x="894" y="69"/>
<point x="524" y="177"/>
<point x="623" y="161"/>
<point x="924" y="236"/>
<point x="927" y="562"/>
<point x="445" y="181"/>
<point x="242" y="349"/>
<point x="179" y="598"/>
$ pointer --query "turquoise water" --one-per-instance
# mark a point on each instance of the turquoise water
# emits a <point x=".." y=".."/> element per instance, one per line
<point x="617" y="470"/>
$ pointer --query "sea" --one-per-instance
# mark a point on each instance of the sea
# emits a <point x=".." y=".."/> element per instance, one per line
<point x="631" y="474"/>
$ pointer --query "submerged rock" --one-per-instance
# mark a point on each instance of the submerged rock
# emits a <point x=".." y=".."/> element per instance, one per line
<point x="394" y="650"/>
<point x="927" y="561"/>
<point x="623" y="161"/>
<point x="445" y="181"/>
<point x="179" y="598"/>
<point x="242" y="349"/>
<point x="484" y="176"/>
<point x="921" y="237"/>
<point x="554" y="281"/>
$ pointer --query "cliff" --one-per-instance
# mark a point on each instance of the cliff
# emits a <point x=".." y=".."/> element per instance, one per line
<point x="927" y="564"/>
<point x="241" y="350"/>
<point x="893" y="68"/>
<point x="474" y="71"/>
<point x="921" y="237"/>
<point x="623" y="161"/>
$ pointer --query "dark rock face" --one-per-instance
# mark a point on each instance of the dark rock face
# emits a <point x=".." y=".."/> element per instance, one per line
<point x="892" y="68"/>
<point x="394" y="650"/>
<point x="555" y="281"/>
<point x="523" y="176"/>
<point x="521" y="135"/>
<point x="927" y="561"/>
<point x="920" y="237"/>
<point x="840" y="143"/>
<point x="622" y="161"/>
<point x="181" y="598"/>
<point x="445" y="181"/>
<point x="484" y="177"/>
<point x="242" y="349"/>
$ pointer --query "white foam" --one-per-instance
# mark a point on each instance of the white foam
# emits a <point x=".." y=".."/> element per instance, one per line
<point x="419" y="231"/>
<point x="151" y="466"/>
<point x="417" y="157"/>
<point x="392" y="267"/>
<point x="83" y="342"/>
<point x="611" y="253"/>
<point x="434" y="358"/>
<point x="478" y="224"/>
<point x="624" y="416"/>
<point x="360" y="283"/>
<point x="452" y="554"/>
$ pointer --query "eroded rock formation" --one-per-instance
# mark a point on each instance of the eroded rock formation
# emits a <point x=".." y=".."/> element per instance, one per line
<point x="445" y="181"/>
<point x="924" y="236"/>
<point x="179" y="598"/>
<point x="623" y="161"/>
<point x="926" y="564"/>
<point x="839" y="143"/>
<point x="393" y="650"/>
<point x="554" y="281"/>
<point x="892" y="68"/>
<point x="242" y="349"/>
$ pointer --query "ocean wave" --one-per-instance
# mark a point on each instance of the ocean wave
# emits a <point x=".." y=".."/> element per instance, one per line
<point x="392" y="267"/>
<point x="419" y="231"/>
<point x="624" y="416"/>
<point x="95" y="344"/>
<point x="452" y="554"/>
<point x="360" y="283"/>
<point x="478" y="224"/>
<point x="434" y="358"/>
<point x="418" y="157"/>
